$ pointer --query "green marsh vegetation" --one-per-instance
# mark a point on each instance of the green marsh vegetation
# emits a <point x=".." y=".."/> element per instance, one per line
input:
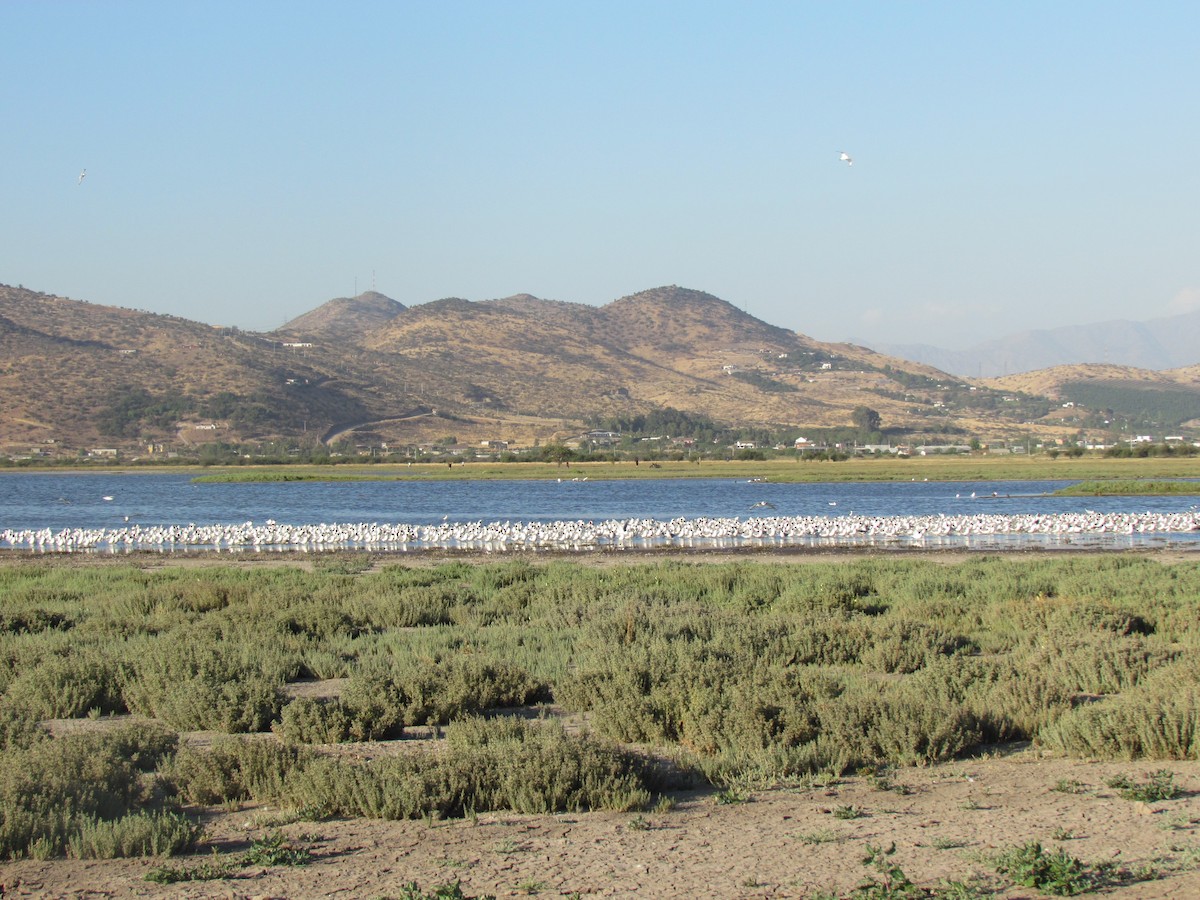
<point x="737" y="674"/>
<point x="1017" y="467"/>
<point x="1124" y="487"/>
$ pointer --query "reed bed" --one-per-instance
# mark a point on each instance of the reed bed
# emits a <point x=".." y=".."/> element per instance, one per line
<point x="730" y="673"/>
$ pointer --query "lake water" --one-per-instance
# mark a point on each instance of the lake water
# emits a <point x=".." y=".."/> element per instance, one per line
<point x="61" y="501"/>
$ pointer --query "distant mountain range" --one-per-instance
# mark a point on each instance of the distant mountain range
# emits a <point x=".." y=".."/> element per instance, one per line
<point x="1166" y="343"/>
<point x="370" y="372"/>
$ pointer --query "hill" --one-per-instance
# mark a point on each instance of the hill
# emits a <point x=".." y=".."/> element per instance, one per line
<point x="1099" y="397"/>
<point x="344" y="318"/>
<point x="78" y="376"/>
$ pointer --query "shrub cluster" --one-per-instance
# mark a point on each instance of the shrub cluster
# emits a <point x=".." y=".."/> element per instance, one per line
<point x="381" y="698"/>
<point x="92" y="795"/>
<point x="743" y="670"/>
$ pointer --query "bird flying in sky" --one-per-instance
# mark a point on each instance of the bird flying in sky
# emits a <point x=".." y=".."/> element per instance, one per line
<point x="845" y="157"/>
<point x="82" y="175"/>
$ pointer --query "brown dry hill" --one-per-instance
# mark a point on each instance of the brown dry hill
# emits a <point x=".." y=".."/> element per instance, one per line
<point x="345" y="318"/>
<point x="1160" y="400"/>
<point x="372" y="370"/>
<point x="1056" y="382"/>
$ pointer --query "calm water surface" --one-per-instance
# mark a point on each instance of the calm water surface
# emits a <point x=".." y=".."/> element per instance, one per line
<point x="79" y="500"/>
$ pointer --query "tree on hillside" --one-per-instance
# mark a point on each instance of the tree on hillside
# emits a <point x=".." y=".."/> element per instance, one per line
<point x="865" y="419"/>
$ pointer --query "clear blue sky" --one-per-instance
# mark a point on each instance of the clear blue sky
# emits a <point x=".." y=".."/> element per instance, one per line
<point x="1016" y="165"/>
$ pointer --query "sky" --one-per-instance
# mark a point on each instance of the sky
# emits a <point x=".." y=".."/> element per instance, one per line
<point x="1017" y="165"/>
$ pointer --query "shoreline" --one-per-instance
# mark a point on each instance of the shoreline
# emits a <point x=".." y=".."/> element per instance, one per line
<point x="792" y="555"/>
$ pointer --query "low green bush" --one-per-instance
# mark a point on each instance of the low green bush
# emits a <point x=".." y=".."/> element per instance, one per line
<point x="1157" y="719"/>
<point x="276" y="850"/>
<point x="56" y="791"/>
<point x="18" y="727"/>
<point x="747" y="672"/>
<point x="373" y="702"/>
<point x="1157" y="787"/>
<point x="381" y="697"/>
<point x="896" y="725"/>
<point x="485" y="765"/>
<point x="905" y="646"/>
<point x="202" y="684"/>
<point x="1091" y="663"/>
<point x="1052" y="872"/>
<point x="136" y="834"/>
<point x="307" y="720"/>
<point x="234" y="769"/>
<point x="68" y="686"/>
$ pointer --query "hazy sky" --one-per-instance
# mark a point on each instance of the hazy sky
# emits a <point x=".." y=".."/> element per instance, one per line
<point x="1016" y="165"/>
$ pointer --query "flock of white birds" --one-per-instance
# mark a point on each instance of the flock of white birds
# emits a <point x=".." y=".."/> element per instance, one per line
<point x="1087" y="528"/>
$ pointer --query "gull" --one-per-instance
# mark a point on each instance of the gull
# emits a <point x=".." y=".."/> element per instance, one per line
<point x="82" y="175"/>
<point x="845" y="157"/>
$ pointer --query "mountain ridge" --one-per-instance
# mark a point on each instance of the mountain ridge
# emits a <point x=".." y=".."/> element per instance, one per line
<point x="372" y="371"/>
<point x="1167" y="342"/>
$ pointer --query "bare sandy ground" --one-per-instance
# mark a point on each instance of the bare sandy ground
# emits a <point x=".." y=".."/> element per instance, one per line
<point x="154" y="560"/>
<point x="948" y="823"/>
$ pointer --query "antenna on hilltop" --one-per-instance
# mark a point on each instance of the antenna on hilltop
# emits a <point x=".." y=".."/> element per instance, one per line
<point x="372" y="279"/>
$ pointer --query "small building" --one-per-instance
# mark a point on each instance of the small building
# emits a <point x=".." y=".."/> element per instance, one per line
<point x="603" y="438"/>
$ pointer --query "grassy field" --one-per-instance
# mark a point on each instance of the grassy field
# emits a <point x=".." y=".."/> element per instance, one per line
<point x="734" y="674"/>
<point x="932" y="468"/>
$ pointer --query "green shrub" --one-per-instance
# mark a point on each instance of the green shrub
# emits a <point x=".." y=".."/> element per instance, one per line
<point x="314" y="721"/>
<point x="455" y="686"/>
<point x="412" y="891"/>
<point x="1158" y="786"/>
<point x="67" y="686"/>
<point x="199" y="685"/>
<point x="1099" y="664"/>
<point x="1055" y="873"/>
<point x="485" y="765"/>
<point x="904" y="646"/>
<point x="18" y="726"/>
<point x="54" y="790"/>
<point x="276" y="850"/>
<point x="374" y="703"/>
<point x="137" y="834"/>
<point x="383" y="696"/>
<point x="235" y="769"/>
<point x="1158" y="719"/>
<point x="898" y="726"/>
